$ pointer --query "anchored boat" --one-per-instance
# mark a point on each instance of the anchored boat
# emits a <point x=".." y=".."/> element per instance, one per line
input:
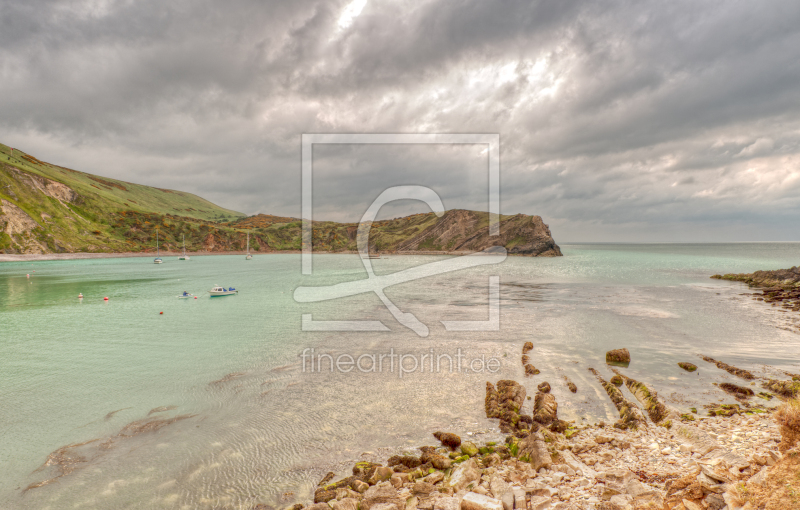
<point x="184" y="257"/>
<point x="222" y="291"/>
<point x="157" y="260"/>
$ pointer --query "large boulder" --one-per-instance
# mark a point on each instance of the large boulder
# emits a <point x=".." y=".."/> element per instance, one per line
<point x="364" y="470"/>
<point x="408" y="461"/>
<point x="533" y="449"/>
<point x="545" y="408"/>
<point x="618" y="356"/>
<point x="505" y="402"/>
<point x="449" y="440"/>
<point x="345" y="504"/>
<point x="475" y="501"/>
<point x="381" y="474"/>
<point x="383" y="496"/>
<point x="465" y="474"/>
<point x="469" y="448"/>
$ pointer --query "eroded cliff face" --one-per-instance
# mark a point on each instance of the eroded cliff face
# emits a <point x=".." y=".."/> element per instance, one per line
<point x="461" y="230"/>
<point x="17" y="225"/>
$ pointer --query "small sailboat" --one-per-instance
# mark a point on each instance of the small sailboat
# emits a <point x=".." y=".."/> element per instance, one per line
<point x="248" y="257"/>
<point x="157" y="260"/>
<point x="184" y="257"/>
<point x="222" y="291"/>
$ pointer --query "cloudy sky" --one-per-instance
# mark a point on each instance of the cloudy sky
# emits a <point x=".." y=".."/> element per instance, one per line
<point x="618" y="121"/>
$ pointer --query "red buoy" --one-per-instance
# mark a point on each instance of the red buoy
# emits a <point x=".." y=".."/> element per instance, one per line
<point x="161" y="313"/>
<point x="105" y="298"/>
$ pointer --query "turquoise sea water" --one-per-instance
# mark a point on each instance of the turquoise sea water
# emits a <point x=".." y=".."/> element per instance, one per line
<point x="269" y="430"/>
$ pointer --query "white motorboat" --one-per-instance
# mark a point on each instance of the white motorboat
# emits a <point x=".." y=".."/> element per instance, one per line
<point x="184" y="257"/>
<point x="222" y="291"/>
<point x="157" y="260"/>
<point x="248" y="257"/>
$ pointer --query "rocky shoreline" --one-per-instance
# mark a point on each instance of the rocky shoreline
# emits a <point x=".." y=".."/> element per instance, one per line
<point x="737" y="457"/>
<point x="779" y="287"/>
<point x="36" y="257"/>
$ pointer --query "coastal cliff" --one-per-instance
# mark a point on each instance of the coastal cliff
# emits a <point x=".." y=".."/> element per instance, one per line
<point x="778" y="286"/>
<point x="46" y="209"/>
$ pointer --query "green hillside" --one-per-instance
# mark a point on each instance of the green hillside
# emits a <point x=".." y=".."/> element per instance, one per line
<point x="49" y="208"/>
<point x="113" y="195"/>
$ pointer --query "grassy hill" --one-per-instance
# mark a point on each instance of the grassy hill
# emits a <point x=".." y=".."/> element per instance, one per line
<point x="49" y="208"/>
<point x="45" y="208"/>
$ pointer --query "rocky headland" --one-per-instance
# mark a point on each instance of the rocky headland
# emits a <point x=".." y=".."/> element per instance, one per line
<point x="780" y="287"/>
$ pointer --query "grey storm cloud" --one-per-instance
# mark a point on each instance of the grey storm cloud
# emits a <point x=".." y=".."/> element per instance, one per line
<point x="618" y="120"/>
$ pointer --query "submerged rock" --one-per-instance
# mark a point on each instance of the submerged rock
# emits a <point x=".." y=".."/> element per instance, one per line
<point x="531" y="370"/>
<point x="649" y="399"/>
<point x="504" y="401"/>
<point x="527" y="347"/>
<point x="326" y="479"/>
<point x="788" y="389"/>
<point x="687" y="366"/>
<point x="737" y="391"/>
<point x="629" y="415"/>
<point x="544" y="387"/>
<point x="449" y="440"/>
<point x="617" y="381"/>
<point x="408" y="461"/>
<point x="618" y="356"/>
<point x="744" y="374"/>
<point x="723" y="409"/>
<point x="570" y="385"/>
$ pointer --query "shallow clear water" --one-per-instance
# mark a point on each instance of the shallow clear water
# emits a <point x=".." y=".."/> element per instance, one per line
<point x="268" y="432"/>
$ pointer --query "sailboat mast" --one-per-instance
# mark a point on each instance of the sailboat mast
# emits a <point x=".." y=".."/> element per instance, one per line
<point x="248" y="242"/>
<point x="157" y="250"/>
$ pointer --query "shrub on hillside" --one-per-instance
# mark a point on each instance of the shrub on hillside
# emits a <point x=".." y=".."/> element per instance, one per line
<point x="788" y="417"/>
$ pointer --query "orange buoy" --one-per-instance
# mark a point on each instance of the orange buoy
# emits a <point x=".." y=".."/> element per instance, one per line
<point x="105" y="298"/>
<point x="161" y="313"/>
<point x="195" y="297"/>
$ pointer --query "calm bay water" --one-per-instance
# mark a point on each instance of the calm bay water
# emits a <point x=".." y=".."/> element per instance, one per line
<point x="258" y="427"/>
